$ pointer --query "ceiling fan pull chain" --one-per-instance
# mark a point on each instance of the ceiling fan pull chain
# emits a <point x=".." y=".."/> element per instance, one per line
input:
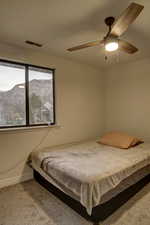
<point x="118" y="54"/>
<point x="106" y="56"/>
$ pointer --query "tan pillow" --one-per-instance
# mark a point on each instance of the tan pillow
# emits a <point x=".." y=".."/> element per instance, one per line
<point x="119" y="140"/>
<point x="136" y="141"/>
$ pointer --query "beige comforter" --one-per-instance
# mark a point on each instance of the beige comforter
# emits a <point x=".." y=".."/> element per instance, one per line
<point x="89" y="170"/>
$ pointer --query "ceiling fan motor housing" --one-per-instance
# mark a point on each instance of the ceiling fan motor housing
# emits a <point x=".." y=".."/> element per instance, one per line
<point x="109" y="21"/>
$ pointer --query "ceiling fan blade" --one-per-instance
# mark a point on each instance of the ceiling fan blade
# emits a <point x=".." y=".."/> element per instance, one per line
<point x="86" y="45"/>
<point x="126" y="18"/>
<point x="127" y="47"/>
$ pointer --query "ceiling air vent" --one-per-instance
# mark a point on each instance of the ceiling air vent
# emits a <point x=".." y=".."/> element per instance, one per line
<point x="33" y="43"/>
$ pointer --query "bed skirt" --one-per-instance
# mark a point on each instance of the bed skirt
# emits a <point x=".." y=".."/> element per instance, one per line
<point x="100" y="212"/>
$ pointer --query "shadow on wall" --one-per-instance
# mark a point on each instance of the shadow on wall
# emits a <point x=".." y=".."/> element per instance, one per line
<point x="21" y="143"/>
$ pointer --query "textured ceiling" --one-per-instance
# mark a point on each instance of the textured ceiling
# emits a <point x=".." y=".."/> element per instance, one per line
<point x="60" y="24"/>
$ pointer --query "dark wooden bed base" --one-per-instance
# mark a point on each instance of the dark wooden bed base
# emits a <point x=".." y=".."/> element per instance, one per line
<point x="100" y="212"/>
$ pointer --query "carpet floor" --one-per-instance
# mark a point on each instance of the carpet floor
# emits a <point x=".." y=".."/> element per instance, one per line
<point x="30" y="204"/>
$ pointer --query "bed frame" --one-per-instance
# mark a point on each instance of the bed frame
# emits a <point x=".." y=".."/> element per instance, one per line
<point x="100" y="212"/>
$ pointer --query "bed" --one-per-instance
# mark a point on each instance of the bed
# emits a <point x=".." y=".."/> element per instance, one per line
<point x="92" y="175"/>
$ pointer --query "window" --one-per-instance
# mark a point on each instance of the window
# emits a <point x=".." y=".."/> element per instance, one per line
<point x="26" y="95"/>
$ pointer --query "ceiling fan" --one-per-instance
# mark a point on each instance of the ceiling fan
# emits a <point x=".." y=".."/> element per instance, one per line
<point x="112" y="40"/>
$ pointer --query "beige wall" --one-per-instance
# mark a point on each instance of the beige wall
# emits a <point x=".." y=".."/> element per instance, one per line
<point x="79" y="112"/>
<point x="127" y="98"/>
<point x="88" y="101"/>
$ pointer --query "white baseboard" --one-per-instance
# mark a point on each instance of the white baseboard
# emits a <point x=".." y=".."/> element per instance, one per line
<point x="15" y="180"/>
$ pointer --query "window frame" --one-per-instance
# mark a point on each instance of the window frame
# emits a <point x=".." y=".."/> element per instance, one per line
<point x="27" y="121"/>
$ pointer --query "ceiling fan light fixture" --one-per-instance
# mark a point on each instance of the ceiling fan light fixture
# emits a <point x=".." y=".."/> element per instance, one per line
<point x="111" y="46"/>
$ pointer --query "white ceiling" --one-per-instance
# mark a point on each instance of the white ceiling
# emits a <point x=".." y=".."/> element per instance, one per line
<point x="60" y="24"/>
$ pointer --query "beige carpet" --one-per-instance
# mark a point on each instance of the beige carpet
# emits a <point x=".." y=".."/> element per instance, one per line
<point x="30" y="204"/>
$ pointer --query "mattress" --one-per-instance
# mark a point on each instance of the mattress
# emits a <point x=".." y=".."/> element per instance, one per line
<point x="91" y="172"/>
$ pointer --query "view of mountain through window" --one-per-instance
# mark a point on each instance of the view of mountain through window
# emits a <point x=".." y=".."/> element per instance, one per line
<point x="40" y="96"/>
<point x="26" y="95"/>
<point x="12" y="97"/>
